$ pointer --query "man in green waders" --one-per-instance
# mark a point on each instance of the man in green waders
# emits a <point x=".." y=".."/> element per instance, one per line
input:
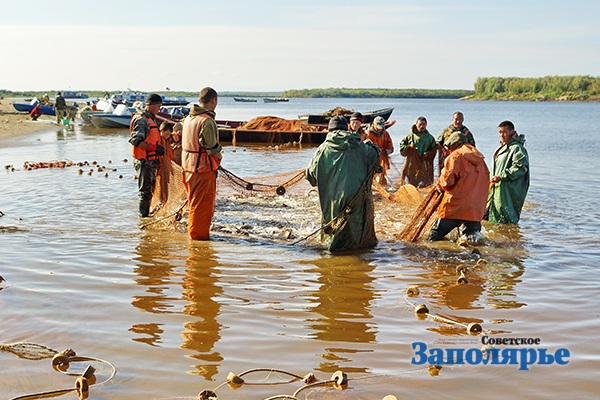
<point x="510" y="177"/>
<point x="342" y="169"/>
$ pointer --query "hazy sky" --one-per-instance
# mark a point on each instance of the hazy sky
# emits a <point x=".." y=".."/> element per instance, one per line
<point x="270" y="45"/>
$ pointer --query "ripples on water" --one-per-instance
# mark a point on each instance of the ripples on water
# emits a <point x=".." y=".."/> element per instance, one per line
<point x="176" y="317"/>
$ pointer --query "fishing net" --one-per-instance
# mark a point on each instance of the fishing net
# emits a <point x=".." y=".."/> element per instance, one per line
<point x="285" y="206"/>
<point x="28" y="351"/>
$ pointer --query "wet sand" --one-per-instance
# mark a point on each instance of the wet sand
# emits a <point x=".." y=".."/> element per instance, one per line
<point x="14" y="123"/>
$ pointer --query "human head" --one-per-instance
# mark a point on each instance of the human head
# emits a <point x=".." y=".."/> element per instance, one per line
<point x="356" y="121"/>
<point x="208" y="98"/>
<point x="457" y="119"/>
<point x="338" y="123"/>
<point x="421" y="124"/>
<point x="166" y="129"/>
<point x="153" y="103"/>
<point x="177" y="131"/>
<point x="59" y="93"/>
<point x="506" y="130"/>
<point x="379" y="123"/>
<point x="455" y="140"/>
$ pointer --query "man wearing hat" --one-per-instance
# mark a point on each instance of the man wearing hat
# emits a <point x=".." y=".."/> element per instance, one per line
<point x="147" y="149"/>
<point x="377" y="133"/>
<point x="465" y="181"/>
<point x="355" y="125"/>
<point x="342" y="169"/>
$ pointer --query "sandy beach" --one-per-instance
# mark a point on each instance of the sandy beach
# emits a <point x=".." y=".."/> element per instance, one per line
<point x="14" y="123"/>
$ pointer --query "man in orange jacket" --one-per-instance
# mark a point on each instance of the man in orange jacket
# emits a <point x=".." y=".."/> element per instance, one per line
<point x="200" y="159"/>
<point x="465" y="181"/>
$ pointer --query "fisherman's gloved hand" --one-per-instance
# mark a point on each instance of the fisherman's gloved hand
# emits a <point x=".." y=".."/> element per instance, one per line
<point x="159" y="150"/>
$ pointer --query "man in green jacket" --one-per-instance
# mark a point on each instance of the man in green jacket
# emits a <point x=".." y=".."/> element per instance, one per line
<point x="510" y="177"/>
<point x="419" y="147"/>
<point x="342" y="169"/>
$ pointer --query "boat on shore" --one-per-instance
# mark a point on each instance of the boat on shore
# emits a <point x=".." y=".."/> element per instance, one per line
<point x="121" y="116"/>
<point x="69" y="94"/>
<point x="27" y="107"/>
<point x="244" y="100"/>
<point x="323" y="119"/>
<point x="130" y="98"/>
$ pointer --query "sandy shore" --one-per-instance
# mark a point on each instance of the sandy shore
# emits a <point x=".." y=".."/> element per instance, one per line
<point x="14" y="123"/>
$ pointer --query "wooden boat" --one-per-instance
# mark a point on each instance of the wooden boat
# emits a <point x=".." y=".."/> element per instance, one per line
<point x="244" y="100"/>
<point x="229" y="131"/>
<point x="275" y="99"/>
<point x="368" y="117"/>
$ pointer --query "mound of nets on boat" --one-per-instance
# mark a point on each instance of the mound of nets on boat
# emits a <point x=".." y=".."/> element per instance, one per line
<point x="270" y="123"/>
<point x="285" y="206"/>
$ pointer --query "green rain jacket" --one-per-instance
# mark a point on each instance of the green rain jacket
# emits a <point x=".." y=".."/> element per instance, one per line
<point x="342" y="170"/>
<point x="418" y="169"/>
<point x="506" y="198"/>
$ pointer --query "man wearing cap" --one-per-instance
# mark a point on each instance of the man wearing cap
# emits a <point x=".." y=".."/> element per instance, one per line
<point x="456" y="126"/>
<point x="377" y="133"/>
<point x="342" y="169"/>
<point x="200" y="160"/>
<point x="147" y="149"/>
<point x="464" y="181"/>
<point x="355" y="125"/>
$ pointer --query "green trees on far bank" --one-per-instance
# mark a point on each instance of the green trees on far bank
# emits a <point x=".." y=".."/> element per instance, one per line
<point x="548" y="88"/>
<point x="378" y="93"/>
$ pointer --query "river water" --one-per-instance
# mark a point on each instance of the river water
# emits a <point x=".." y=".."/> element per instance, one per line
<point x="175" y="317"/>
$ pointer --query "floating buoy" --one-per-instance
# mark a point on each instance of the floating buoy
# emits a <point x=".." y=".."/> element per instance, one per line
<point x="327" y="229"/>
<point x="280" y="190"/>
<point x="474" y="328"/>
<point x="462" y="279"/>
<point x="81" y="384"/>
<point x="120" y="176"/>
<point x="207" y="395"/>
<point x="339" y="377"/>
<point x="60" y="361"/>
<point x="481" y="261"/>
<point x="80" y="171"/>
<point x="461" y="269"/>
<point x="421" y="309"/>
<point x="178" y="217"/>
<point x="434" y="370"/>
<point x="390" y="397"/>
<point x="309" y="378"/>
<point x="348" y="210"/>
<point x="412" y="291"/>
<point x="233" y="378"/>
<point x="124" y="160"/>
<point x="89" y="372"/>
<point x="249" y="186"/>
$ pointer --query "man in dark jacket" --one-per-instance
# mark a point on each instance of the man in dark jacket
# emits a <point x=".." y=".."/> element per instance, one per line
<point x="60" y="106"/>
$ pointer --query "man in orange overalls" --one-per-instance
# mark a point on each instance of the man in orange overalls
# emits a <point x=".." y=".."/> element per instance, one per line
<point x="465" y="181"/>
<point x="200" y="159"/>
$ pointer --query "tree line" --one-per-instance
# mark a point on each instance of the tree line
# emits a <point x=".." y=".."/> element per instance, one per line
<point x="378" y="93"/>
<point x="547" y="88"/>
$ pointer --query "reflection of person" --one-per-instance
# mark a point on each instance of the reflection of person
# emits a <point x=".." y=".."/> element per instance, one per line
<point x="355" y="125"/>
<point x="456" y="126"/>
<point x="201" y="290"/>
<point x="377" y="133"/>
<point x="465" y="181"/>
<point x="342" y="302"/>
<point x="419" y="148"/>
<point x="510" y="176"/>
<point x="146" y="149"/>
<point x="200" y="160"/>
<point x="36" y="112"/>
<point x="60" y="107"/>
<point x="342" y="169"/>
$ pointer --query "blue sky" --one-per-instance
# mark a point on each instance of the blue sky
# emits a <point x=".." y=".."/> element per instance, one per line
<point x="269" y="45"/>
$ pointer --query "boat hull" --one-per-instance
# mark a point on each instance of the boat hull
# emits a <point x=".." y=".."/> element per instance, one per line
<point x="26" y="107"/>
<point x="368" y="117"/>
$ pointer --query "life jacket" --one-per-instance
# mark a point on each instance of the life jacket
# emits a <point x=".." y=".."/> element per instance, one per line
<point x="152" y="138"/>
<point x="194" y="157"/>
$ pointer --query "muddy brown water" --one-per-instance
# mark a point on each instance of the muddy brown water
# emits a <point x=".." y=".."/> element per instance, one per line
<point x="175" y="317"/>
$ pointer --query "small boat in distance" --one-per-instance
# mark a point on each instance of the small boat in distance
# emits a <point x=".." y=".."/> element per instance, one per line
<point x="244" y="100"/>
<point x="69" y="94"/>
<point x="275" y="99"/>
<point x="323" y="119"/>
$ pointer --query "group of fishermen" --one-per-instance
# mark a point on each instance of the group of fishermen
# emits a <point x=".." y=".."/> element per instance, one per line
<point x="345" y="165"/>
<point x="343" y="168"/>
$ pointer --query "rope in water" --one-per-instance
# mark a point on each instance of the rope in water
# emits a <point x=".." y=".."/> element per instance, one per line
<point x="60" y="362"/>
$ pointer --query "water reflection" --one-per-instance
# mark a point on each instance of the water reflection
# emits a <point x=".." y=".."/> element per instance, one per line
<point x="343" y="300"/>
<point x="200" y="289"/>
